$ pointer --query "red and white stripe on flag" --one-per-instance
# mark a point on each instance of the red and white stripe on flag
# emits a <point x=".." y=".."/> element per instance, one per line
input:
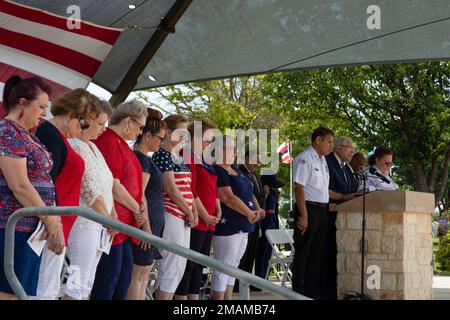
<point x="283" y="149"/>
<point x="286" y="158"/>
<point x="35" y="42"/>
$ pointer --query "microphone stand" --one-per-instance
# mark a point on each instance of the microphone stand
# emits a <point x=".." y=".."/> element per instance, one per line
<point x="354" y="295"/>
<point x="363" y="238"/>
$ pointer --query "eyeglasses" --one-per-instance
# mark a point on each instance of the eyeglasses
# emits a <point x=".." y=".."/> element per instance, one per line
<point x="83" y="123"/>
<point x="343" y="145"/>
<point x="141" y="126"/>
<point x="388" y="163"/>
<point x="210" y="140"/>
<point x="160" y="138"/>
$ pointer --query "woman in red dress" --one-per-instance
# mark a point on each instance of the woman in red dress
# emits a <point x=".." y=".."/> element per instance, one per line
<point x="113" y="275"/>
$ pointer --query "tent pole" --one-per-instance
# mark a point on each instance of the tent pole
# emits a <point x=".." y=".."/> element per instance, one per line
<point x="166" y="26"/>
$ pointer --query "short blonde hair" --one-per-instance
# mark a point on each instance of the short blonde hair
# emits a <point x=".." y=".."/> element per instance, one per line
<point x="78" y="101"/>
<point x="133" y="109"/>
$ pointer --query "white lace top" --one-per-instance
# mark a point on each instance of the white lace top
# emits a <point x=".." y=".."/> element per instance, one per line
<point x="97" y="181"/>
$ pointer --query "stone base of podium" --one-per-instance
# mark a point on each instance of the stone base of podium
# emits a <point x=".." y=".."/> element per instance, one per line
<point x="398" y="260"/>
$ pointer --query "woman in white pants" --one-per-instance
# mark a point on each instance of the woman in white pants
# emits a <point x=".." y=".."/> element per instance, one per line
<point x="239" y="214"/>
<point x="179" y="206"/>
<point x="96" y="194"/>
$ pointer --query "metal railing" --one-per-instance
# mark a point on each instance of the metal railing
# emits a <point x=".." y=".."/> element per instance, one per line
<point x="245" y="278"/>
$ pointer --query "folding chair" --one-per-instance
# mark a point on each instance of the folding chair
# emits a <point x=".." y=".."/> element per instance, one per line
<point x="283" y="258"/>
<point x="151" y="284"/>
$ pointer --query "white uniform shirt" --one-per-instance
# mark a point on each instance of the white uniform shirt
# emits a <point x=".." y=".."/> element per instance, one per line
<point x="311" y="171"/>
<point x="374" y="183"/>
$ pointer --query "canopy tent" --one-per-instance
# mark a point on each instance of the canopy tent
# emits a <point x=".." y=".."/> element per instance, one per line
<point x="210" y="39"/>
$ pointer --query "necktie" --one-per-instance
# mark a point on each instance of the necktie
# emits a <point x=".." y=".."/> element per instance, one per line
<point x="345" y="172"/>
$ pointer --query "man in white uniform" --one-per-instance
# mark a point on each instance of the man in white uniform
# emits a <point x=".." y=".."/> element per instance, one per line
<point x="311" y="179"/>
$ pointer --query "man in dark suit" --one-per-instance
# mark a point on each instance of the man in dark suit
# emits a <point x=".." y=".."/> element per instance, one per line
<point x="252" y="161"/>
<point x="342" y="187"/>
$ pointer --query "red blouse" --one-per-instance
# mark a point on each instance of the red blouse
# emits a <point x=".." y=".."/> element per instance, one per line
<point x="67" y="172"/>
<point x="204" y="186"/>
<point x="126" y="168"/>
<point x="68" y="185"/>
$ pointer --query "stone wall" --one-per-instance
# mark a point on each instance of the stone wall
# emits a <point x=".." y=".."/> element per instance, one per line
<point x="400" y="244"/>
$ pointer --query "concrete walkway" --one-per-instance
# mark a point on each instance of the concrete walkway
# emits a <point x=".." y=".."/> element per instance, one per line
<point x="441" y="288"/>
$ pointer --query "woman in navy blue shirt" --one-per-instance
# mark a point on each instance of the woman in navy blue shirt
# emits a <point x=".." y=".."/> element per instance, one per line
<point x="239" y="214"/>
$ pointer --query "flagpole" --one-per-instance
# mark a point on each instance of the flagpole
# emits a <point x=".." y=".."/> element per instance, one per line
<point x="290" y="174"/>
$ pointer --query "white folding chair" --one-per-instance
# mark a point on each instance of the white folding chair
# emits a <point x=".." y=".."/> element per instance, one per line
<point x="282" y="258"/>
<point x="151" y="284"/>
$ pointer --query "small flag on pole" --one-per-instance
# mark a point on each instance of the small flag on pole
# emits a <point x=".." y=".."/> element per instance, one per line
<point x="283" y="149"/>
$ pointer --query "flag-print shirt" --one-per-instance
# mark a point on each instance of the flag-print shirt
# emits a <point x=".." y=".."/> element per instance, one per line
<point x="167" y="162"/>
<point x="233" y="222"/>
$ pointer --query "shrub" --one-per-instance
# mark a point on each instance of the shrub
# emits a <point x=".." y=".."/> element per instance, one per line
<point x="443" y="253"/>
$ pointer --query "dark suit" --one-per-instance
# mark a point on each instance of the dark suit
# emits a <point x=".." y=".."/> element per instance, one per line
<point x="342" y="181"/>
<point x="248" y="259"/>
<point x="354" y="179"/>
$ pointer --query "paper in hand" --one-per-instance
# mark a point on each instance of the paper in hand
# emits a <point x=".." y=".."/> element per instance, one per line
<point x="105" y="241"/>
<point x="34" y="241"/>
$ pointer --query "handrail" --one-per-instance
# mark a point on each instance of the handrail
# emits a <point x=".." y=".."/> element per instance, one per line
<point x="135" y="233"/>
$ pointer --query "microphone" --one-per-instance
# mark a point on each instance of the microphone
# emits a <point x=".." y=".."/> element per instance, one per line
<point x="374" y="171"/>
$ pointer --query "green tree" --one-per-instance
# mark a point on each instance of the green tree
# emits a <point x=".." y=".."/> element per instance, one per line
<point x="403" y="106"/>
<point x="234" y="103"/>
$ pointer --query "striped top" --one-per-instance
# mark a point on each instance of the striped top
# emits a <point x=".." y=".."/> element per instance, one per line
<point x="167" y="162"/>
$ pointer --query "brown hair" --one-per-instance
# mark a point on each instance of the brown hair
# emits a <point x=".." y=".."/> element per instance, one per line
<point x="16" y="87"/>
<point x="206" y="125"/>
<point x="380" y="152"/>
<point x="154" y="124"/>
<point x="133" y="109"/>
<point x="78" y="101"/>
<point x="174" y="120"/>
<point x="357" y="159"/>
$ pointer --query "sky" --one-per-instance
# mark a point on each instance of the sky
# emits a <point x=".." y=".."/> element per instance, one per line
<point x="152" y="97"/>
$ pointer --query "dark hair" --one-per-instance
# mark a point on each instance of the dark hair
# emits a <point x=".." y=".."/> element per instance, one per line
<point x="153" y="124"/>
<point x="357" y="159"/>
<point x="16" y="88"/>
<point x="380" y="152"/>
<point x="174" y="120"/>
<point x="321" y="132"/>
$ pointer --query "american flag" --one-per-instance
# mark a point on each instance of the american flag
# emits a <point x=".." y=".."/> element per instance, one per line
<point x="284" y="150"/>
<point x="35" y="42"/>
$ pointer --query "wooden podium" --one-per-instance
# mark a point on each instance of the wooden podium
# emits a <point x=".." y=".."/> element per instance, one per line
<point x="398" y="260"/>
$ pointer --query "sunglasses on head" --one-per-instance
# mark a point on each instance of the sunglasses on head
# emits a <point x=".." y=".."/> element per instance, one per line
<point x="83" y="123"/>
